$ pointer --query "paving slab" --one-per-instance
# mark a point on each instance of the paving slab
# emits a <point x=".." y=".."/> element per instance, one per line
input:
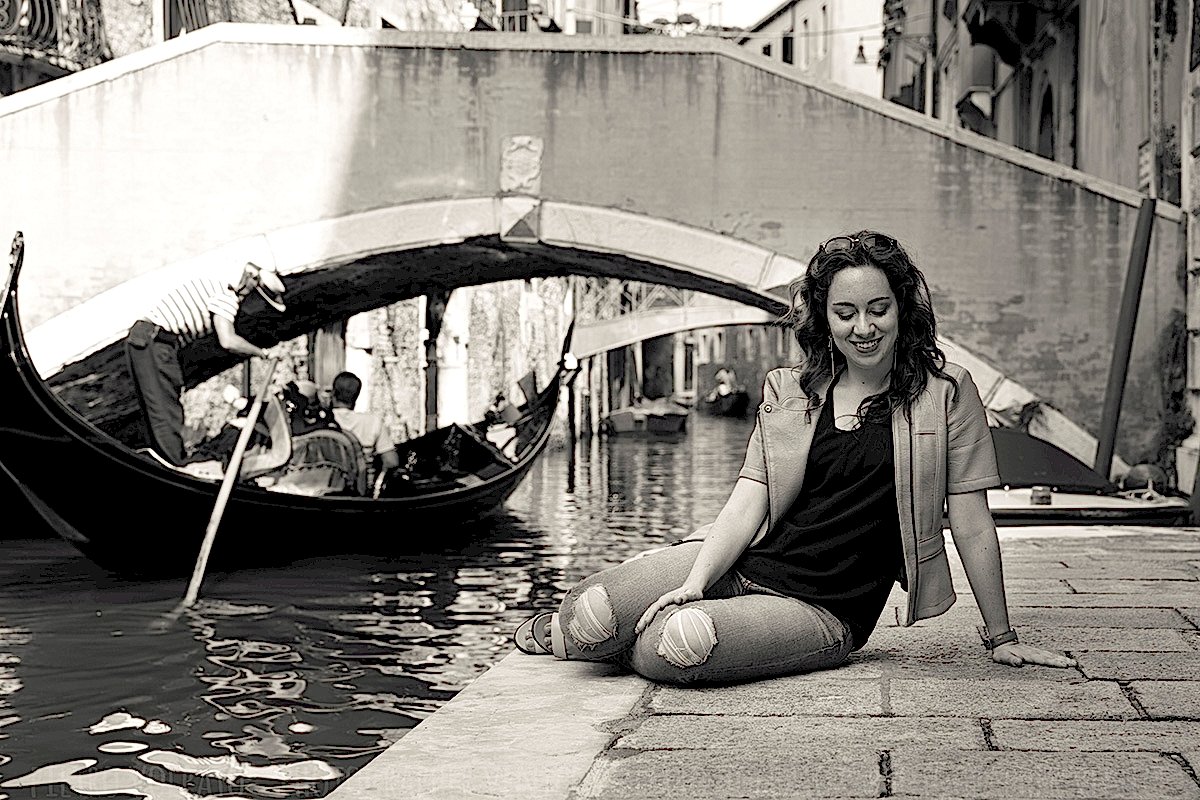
<point x="1149" y="540"/>
<point x="1039" y="776"/>
<point x="933" y="651"/>
<point x="1095" y="735"/>
<point x="1172" y="560"/>
<point x="1177" y="557"/>
<point x="1006" y="698"/>
<point x="1013" y="585"/>
<point x="1100" y="618"/>
<point x="1169" y="699"/>
<point x="818" y="693"/>
<point x="965" y="616"/>
<point x="1075" y="639"/>
<point x="1174" y="600"/>
<point x="1134" y="586"/>
<point x="1140" y="666"/>
<point x="698" y="774"/>
<point x="1099" y="571"/>
<point x="683" y="732"/>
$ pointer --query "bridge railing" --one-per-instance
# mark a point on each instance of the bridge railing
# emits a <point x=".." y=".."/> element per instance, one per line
<point x="606" y="298"/>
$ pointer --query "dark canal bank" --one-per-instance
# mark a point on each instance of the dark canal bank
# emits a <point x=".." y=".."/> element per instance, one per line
<point x="282" y="682"/>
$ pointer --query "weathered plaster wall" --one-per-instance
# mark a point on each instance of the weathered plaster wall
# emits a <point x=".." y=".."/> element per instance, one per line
<point x="1113" y="76"/>
<point x="120" y="173"/>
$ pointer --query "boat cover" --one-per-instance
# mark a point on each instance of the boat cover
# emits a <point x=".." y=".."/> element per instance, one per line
<point x="1025" y="460"/>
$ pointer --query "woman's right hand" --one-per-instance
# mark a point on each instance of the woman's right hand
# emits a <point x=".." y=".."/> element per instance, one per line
<point x="675" y="597"/>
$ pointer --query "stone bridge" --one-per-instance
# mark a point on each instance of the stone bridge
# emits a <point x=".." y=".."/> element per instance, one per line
<point x="372" y="166"/>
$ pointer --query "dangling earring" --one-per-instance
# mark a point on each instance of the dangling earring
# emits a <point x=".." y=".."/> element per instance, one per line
<point x="831" y="353"/>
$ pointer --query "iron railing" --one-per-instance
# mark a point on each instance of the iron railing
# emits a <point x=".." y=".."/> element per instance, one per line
<point x="68" y="34"/>
<point x="607" y="298"/>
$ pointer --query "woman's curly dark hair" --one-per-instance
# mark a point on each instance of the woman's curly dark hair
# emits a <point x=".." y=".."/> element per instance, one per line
<point x="917" y="353"/>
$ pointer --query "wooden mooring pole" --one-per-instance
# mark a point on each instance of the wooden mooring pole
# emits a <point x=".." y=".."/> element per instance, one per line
<point x="1118" y="369"/>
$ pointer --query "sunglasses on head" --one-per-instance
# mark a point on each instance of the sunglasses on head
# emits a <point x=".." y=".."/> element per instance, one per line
<point x="868" y="241"/>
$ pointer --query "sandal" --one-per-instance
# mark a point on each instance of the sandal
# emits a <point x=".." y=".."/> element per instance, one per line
<point x="530" y="636"/>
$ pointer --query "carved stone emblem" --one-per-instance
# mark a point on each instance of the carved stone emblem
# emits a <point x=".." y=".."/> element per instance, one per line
<point x="521" y="164"/>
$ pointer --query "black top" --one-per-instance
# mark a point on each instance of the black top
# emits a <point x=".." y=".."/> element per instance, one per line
<point x="838" y="546"/>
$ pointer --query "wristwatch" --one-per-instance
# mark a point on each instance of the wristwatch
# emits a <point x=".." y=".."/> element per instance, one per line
<point x="992" y="642"/>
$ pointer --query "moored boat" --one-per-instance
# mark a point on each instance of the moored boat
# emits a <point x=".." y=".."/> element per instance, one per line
<point x="1044" y="485"/>
<point x="648" y="416"/>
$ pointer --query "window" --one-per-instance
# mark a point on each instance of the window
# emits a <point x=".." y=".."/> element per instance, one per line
<point x="767" y="50"/>
<point x="628" y="11"/>
<point x="789" y="48"/>
<point x="1195" y="58"/>
<point x="583" y="26"/>
<point x="1045" y="140"/>
<point x="689" y="366"/>
<point x="823" y="40"/>
<point x="183" y="16"/>
<point x="514" y="15"/>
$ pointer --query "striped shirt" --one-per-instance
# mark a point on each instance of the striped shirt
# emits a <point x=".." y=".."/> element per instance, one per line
<point x="188" y="309"/>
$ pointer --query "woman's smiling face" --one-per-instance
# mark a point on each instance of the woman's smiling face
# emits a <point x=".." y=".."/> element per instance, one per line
<point x="863" y="316"/>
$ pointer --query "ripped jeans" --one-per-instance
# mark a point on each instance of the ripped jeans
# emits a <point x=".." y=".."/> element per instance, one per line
<point x="739" y="632"/>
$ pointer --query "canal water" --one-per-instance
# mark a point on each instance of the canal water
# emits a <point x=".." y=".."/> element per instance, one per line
<point x="281" y="683"/>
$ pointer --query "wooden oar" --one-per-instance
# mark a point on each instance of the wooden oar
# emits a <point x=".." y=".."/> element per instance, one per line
<point x="231" y="475"/>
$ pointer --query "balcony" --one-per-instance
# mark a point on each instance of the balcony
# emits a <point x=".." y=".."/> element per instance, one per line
<point x="61" y="35"/>
<point x="1013" y="28"/>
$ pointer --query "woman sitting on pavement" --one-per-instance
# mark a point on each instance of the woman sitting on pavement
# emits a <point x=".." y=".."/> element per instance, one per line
<point x="854" y="455"/>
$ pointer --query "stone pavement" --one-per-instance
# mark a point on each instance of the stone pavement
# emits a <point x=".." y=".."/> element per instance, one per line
<point x="919" y="712"/>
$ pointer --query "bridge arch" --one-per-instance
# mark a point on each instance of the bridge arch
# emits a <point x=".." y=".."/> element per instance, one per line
<point x="338" y="267"/>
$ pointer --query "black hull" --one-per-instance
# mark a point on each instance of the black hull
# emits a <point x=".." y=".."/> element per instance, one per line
<point x="132" y="515"/>
<point x="733" y="404"/>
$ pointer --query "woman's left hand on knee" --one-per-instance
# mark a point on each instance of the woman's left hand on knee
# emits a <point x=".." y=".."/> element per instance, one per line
<point x="1016" y="655"/>
<point x="675" y="597"/>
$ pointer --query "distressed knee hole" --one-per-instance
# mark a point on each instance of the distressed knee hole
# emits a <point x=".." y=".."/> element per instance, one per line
<point x="593" y="621"/>
<point x="688" y="638"/>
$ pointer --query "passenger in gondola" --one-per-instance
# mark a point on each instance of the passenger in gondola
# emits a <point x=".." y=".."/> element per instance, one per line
<point x="199" y="307"/>
<point x="726" y="383"/>
<point x="266" y="449"/>
<point x="306" y="412"/>
<point x="370" y="429"/>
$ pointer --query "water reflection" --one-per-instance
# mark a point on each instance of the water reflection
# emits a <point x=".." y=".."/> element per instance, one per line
<point x="281" y="682"/>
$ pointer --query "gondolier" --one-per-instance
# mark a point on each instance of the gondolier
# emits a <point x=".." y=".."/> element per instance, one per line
<point x="196" y="308"/>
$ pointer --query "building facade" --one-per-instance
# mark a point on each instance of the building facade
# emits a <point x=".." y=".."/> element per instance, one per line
<point x="43" y="41"/>
<point x="1096" y="86"/>
<point x="828" y="39"/>
<point x="1188" y="346"/>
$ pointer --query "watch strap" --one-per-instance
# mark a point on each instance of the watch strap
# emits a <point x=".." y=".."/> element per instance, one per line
<point x="992" y="642"/>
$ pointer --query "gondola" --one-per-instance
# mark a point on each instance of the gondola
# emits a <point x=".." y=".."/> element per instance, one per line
<point x="733" y="404"/>
<point x="131" y="513"/>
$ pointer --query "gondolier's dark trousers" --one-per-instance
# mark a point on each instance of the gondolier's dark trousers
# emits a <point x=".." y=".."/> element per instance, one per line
<point x="158" y="382"/>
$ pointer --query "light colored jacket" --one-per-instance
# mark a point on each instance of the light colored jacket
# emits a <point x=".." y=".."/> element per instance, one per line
<point x="947" y="449"/>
